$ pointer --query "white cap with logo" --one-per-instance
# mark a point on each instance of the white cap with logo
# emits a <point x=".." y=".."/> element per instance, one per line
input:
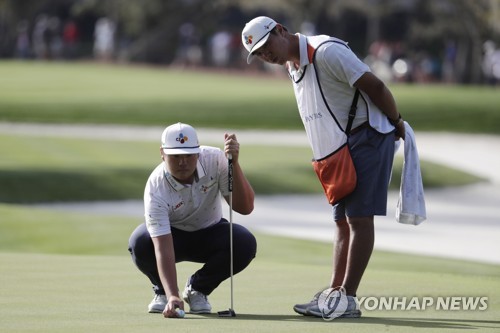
<point x="180" y="139"/>
<point x="255" y="34"/>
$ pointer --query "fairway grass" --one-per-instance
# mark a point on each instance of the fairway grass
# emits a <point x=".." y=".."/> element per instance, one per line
<point x="80" y="293"/>
<point x="69" y="169"/>
<point x="62" y="92"/>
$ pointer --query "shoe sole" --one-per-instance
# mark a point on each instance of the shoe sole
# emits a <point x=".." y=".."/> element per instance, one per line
<point x="155" y="311"/>
<point x="301" y="311"/>
<point x="200" y="311"/>
<point x="350" y="314"/>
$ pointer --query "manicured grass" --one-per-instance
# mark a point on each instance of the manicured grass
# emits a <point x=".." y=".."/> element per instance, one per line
<point x="62" y="293"/>
<point x="27" y="229"/>
<point x="93" y="93"/>
<point x="71" y="272"/>
<point x="45" y="169"/>
<point x="34" y="169"/>
<point x="50" y="283"/>
<point x="89" y="93"/>
<point x="63" y="272"/>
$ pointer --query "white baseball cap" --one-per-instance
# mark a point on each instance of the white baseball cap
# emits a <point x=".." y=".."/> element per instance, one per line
<point x="180" y="139"/>
<point x="255" y="34"/>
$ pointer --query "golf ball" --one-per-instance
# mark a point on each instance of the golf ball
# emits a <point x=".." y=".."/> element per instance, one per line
<point x="180" y="313"/>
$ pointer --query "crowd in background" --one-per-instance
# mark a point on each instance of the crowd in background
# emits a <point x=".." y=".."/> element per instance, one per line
<point x="50" y="38"/>
<point x="47" y="39"/>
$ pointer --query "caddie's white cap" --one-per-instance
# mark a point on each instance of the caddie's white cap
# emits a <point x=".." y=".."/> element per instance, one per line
<point x="180" y="139"/>
<point x="255" y="34"/>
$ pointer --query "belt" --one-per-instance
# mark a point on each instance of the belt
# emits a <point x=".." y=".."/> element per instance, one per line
<point x="366" y="124"/>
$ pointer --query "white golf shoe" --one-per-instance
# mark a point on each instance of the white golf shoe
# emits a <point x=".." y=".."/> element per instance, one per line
<point x="158" y="304"/>
<point x="198" y="302"/>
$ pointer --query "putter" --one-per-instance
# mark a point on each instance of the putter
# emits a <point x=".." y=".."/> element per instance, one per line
<point x="230" y="312"/>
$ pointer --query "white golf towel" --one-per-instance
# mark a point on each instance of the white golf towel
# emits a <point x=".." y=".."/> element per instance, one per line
<point x="411" y="203"/>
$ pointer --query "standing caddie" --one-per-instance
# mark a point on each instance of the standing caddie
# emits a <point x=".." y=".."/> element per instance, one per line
<point x="349" y="116"/>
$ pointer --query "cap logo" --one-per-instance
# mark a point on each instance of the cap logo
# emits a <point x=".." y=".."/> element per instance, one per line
<point x="182" y="138"/>
<point x="248" y="39"/>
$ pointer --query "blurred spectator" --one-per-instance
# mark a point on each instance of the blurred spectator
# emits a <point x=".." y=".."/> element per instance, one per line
<point x="23" y="41"/>
<point x="104" y="39"/>
<point x="53" y="38"/>
<point x="70" y="39"/>
<point x="220" y="48"/>
<point x="491" y="63"/>
<point x="235" y="51"/>
<point x="402" y="70"/>
<point x="401" y="66"/>
<point x="189" y="52"/>
<point x="426" y="68"/>
<point x="308" y="28"/>
<point x="39" y="39"/>
<point x="379" y="59"/>
<point x="449" y="62"/>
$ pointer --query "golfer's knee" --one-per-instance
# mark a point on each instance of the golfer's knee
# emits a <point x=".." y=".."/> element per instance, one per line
<point x="140" y="243"/>
<point x="245" y="249"/>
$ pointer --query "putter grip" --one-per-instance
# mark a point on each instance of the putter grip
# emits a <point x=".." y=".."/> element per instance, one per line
<point x="230" y="172"/>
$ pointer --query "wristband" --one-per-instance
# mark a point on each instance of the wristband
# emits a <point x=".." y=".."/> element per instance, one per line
<point x="395" y="122"/>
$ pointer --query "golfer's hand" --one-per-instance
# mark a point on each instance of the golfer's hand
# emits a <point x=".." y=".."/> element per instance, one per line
<point x="231" y="146"/>
<point x="173" y="303"/>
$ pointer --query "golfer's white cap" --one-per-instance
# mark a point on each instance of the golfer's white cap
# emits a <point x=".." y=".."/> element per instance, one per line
<point x="255" y="34"/>
<point x="180" y="139"/>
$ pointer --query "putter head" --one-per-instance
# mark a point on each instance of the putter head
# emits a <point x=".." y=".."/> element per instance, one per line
<point x="228" y="313"/>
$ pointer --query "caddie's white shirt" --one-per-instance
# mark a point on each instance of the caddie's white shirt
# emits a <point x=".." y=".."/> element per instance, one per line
<point x="338" y="69"/>
<point x="187" y="207"/>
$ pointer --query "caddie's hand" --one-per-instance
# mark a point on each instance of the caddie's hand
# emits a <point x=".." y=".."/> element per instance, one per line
<point x="173" y="303"/>
<point x="399" y="125"/>
<point x="231" y="146"/>
<point x="400" y="130"/>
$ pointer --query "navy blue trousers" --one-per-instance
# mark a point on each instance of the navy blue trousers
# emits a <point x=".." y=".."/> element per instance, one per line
<point x="210" y="246"/>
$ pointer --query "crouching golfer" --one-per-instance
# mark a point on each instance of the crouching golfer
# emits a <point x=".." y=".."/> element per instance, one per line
<point x="183" y="220"/>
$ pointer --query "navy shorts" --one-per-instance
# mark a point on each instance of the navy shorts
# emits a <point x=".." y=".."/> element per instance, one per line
<point x="373" y="154"/>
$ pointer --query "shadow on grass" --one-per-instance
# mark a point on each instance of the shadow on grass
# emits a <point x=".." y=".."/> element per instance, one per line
<point x="441" y="323"/>
<point x="34" y="186"/>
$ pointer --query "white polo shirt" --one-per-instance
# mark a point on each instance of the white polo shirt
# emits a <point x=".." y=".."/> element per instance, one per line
<point x="187" y="207"/>
<point x="338" y="68"/>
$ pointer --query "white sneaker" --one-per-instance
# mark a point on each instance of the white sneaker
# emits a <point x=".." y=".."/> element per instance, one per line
<point x="198" y="302"/>
<point x="158" y="304"/>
